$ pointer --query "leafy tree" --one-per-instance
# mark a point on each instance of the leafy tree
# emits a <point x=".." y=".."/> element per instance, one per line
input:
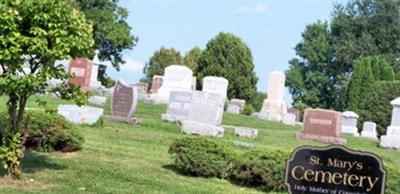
<point x="376" y="107"/>
<point x="357" y="28"/>
<point x="365" y="28"/>
<point x="366" y="71"/>
<point x="226" y="55"/>
<point x="111" y="32"/>
<point x="313" y="78"/>
<point x="33" y="35"/>
<point x="161" y="59"/>
<point x="360" y="84"/>
<point x="256" y="101"/>
<point x="105" y="80"/>
<point x="191" y="59"/>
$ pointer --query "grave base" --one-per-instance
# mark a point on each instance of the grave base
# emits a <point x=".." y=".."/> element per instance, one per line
<point x="173" y="118"/>
<point x="246" y="132"/>
<point x="388" y="141"/>
<point x="371" y="135"/>
<point x="350" y="131"/>
<point x="202" y="129"/>
<point x="323" y="139"/>
<point x="128" y="120"/>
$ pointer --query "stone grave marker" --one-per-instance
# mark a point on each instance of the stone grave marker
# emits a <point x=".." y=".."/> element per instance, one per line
<point x="176" y="78"/>
<point x="322" y="125"/>
<point x="217" y="85"/>
<point x="238" y="102"/>
<point x="178" y="106"/>
<point x="123" y="104"/>
<point x="97" y="100"/>
<point x="80" y="114"/>
<point x="205" y="115"/>
<point x="369" y="130"/>
<point x="232" y="108"/>
<point x="156" y="83"/>
<point x="82" y="70"/>
<point x="392" y="137"/>
<point x="194" y="83"/>
<point x="246" y="132"/>
<point x="349" y="123"/>
<point x="296" y="112"/>
<point x="274" y="104"/>
<point x="289" y="119"/>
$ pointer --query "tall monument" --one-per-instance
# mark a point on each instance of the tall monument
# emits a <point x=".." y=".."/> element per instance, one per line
<point x="274" y="106"/>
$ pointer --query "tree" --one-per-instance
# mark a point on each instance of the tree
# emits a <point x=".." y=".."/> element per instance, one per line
<point x="161" y="59"/>
<point x="33" y="35"/>
<point x="365" y="28"/>
<point x="360" y="84"/>
<point x="226" y="55"/>
<point x="366" y="71"/>
<point x="191" y="59"/>
<point x="111" y="32"/>
<point x="314" y="78"/>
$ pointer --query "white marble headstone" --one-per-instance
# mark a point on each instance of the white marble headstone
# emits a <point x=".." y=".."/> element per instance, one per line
<point x="178" y="106"/>
<point x="369" y="130"/>
<point x="217" y="85"/>
<point x="80" y="115"/>
<point x="392" y="137"/>
<point x="176" y="78"/>
<point x="289" y="119"/>
<point x="349" y="123"/>
<point x="275" y="105"/>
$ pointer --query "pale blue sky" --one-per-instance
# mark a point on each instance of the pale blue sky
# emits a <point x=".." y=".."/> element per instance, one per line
<point x="271" y="29"/>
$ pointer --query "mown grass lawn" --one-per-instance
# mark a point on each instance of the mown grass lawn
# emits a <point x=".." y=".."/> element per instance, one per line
<point x="119" y="158"/>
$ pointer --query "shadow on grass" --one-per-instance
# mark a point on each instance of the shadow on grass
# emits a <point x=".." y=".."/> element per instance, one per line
<point x="34" y="162"/>
<point x="172" y="167"/>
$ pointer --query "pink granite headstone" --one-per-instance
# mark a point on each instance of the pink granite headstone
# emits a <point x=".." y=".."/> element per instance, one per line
<point x="82" y="70"/>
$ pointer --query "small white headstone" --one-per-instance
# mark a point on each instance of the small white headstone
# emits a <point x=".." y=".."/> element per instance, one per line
<point x="80" y="115"/>
<point x="289" y="119"/>
<point x="233" y="109"/>
<point x="369" y="130"/>
<point x="246" y="132"/>
<point x="349" y="123"/>
<point x="97" y="100"/>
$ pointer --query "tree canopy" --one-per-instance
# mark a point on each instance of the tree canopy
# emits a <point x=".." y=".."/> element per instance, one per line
<point x="192" y="58"/>
<point x="320" y="75"/>
<point x="33" y="35"/>
<point x="226" y="55"/>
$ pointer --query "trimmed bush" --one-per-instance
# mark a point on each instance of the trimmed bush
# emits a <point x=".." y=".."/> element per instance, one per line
<point x="376" y="107"/>
<point x="264" y="169"/>
<point x="248" y="110"/>
<point x="48" y="132"/>
<point x="202" y="157"/>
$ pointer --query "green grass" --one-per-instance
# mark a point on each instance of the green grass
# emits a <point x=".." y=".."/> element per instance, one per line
<point x="120" y="158"/>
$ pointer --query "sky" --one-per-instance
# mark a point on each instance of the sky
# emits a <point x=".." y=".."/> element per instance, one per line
<point x="270" y="28"/>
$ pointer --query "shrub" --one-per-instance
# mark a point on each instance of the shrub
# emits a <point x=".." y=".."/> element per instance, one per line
<point x="248" y="110"/>
<point x="202" y="157"/>
<point x="48" y="132"/>
<point x="264" y="169"/>
<point x="376" y="107"/>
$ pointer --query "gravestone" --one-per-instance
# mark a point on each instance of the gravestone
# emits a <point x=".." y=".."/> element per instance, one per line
<point x="156" y="83"/>
<point x="322" y="125"/>
<point x="289" y="119"/>
<point x="246" y="132"/>
<point x="369" y="130"/>
<point x="296" y="112"/>
<point x="263" y="115"/>
<point x="232" y="108"/>
<point x="392" y="137"/>
<point x="94" y="83"/>
<point x="205" y="115"/>
<point x="80" y="114"/>
<point x="238" y="102"/>
<point x="349" y="123"/>
<point x="142" y="89"/>
<point x="176" y="78"/>
<point x="274" y="104"/>
<point x="194" y="83"/>
<point x="178" y="106"/>
<point x="81" y="68"/>
<point x="217" y="85"/>
<point x="123" y="104"/>
<point x="97" y="100"/>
